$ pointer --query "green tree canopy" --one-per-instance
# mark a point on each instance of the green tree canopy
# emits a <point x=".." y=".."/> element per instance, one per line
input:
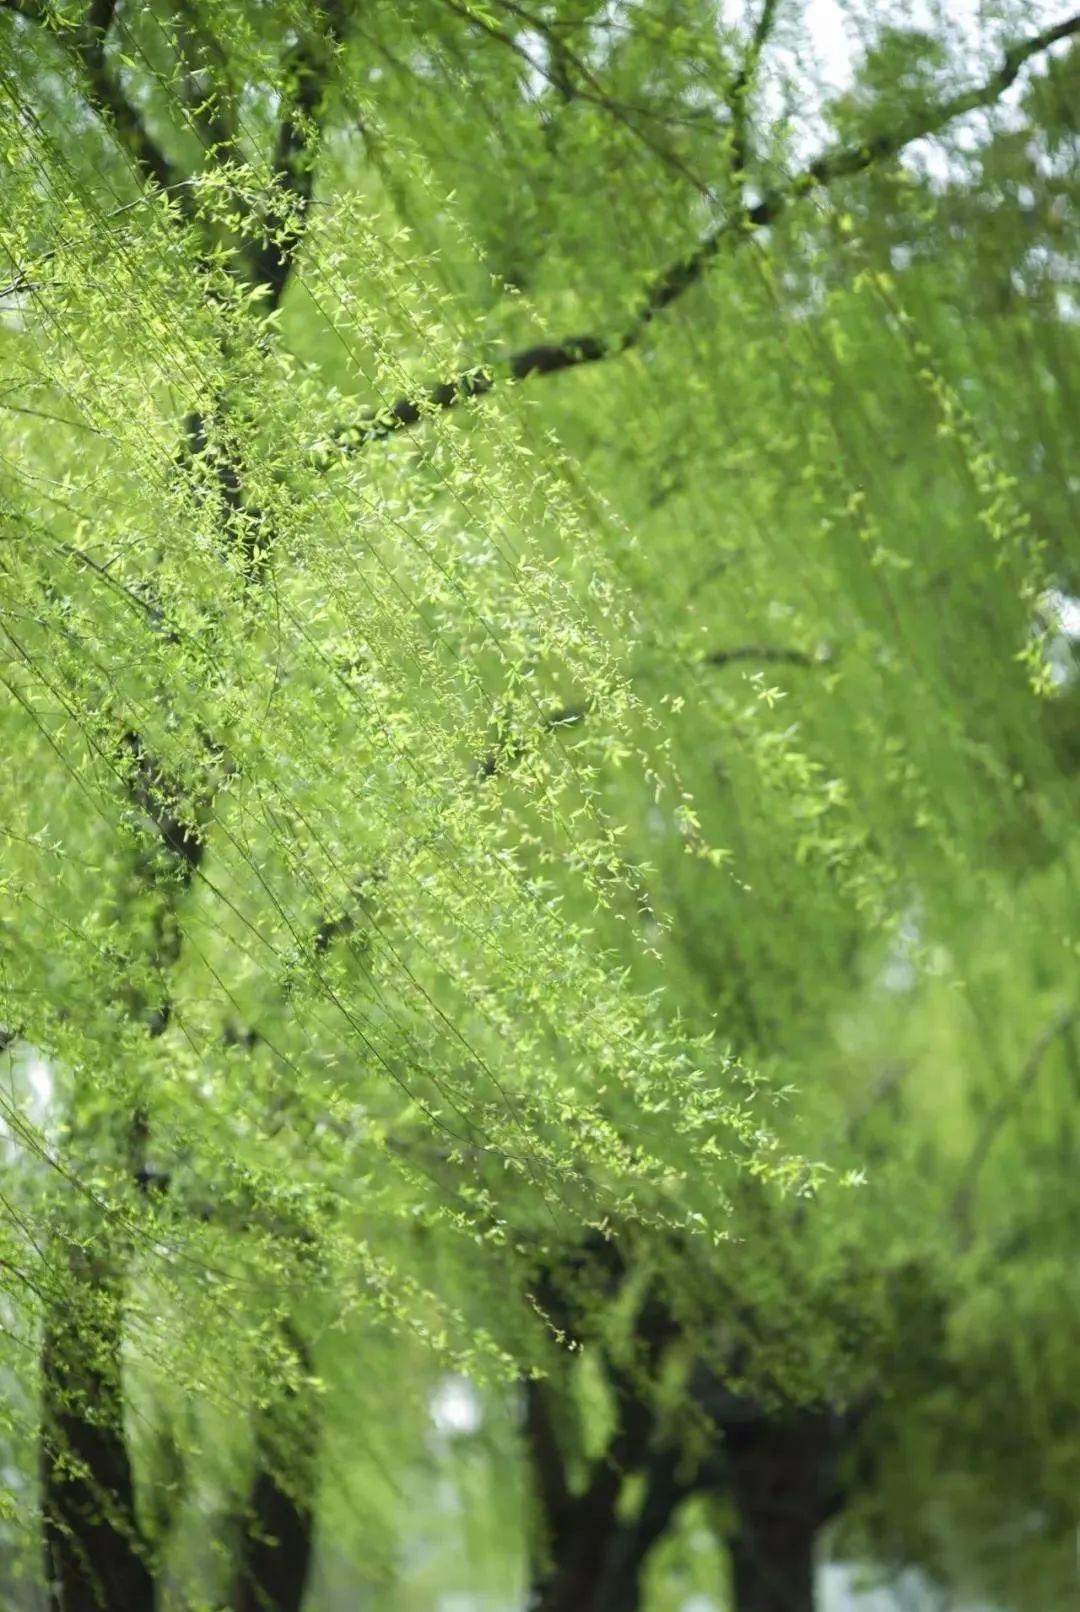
<point x="538" y="847"/>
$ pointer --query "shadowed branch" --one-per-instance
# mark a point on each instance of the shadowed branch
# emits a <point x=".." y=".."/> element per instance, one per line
<point x="687" y="271"/>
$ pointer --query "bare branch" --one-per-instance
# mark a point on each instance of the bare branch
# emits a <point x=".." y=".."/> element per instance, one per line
<point x="672" y="283"/>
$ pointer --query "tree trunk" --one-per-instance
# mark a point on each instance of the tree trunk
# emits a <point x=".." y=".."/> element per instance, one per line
<point x="95" y="1555"/>
<point x="275" y="1558"/>
<point x="782" y="1483"/>
<point x="773" y="1574"/>
<point x="598" y="1560"/>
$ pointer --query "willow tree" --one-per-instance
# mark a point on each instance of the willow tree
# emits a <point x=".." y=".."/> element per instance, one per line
<point x="468" y="772"/>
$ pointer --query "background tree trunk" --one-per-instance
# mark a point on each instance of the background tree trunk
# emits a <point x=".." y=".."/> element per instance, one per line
<point x="95" y="1554"/>
<point x="275" y="1557"/>
<point x="782" y="1482"/>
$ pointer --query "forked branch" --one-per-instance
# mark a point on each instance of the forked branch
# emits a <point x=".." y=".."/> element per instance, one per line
<point x="687" y="271"/>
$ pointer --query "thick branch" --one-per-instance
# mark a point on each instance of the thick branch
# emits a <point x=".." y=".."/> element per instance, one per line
<point x="293" y="176"/>
<point x="546" y="1458"/>
<point x="87" y="45"/>
<point x="744" y="84"/>
<point x="582" y="1546"/>
<point x="109" y="99"/>
<point x="767" y="654"/>
<point x="672" y="283"/>
<point x="162" y="800"/>
<point x="783" y="1482"/>
<point x="665" y="1490"/>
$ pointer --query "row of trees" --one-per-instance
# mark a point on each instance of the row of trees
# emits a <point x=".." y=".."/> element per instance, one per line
<point x="541" y="858"/>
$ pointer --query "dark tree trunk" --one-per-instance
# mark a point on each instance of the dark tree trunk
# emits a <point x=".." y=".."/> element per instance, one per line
<point x="275" y="1558"/>
<point x="590" y="1558"/>
<point x="598" y="1571"/>
<point x="766" y="1582"/>
<point x="597" y="1560"/>
<point x="95" y="1555"/>
<point x="782" y="1482"/>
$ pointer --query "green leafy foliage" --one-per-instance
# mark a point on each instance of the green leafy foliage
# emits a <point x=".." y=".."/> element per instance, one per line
<point x="538" y="833"/>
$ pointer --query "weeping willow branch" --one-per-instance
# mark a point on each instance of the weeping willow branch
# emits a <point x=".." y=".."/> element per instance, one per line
<point x="212" y="113"/>
<point x="308" y="69"/>
<point x="95" y="1553"/>
<point x="583" y="87"/>
<point x="672" y="283"/>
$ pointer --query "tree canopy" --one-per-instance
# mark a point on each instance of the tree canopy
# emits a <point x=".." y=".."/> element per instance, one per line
<point x="538" y="966"/>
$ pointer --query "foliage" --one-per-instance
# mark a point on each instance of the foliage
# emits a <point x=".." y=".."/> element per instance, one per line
<point x="546" y="858"/>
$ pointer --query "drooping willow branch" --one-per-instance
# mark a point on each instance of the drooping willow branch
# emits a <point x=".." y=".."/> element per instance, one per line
<point x="96" y="1551"/>
<point x="689" y="270"/>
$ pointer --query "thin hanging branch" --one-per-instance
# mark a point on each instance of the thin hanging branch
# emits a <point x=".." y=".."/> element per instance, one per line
<point x="96" y="1555"/>
<point x="212" y="113"/>
<point x="672" y="283"/>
